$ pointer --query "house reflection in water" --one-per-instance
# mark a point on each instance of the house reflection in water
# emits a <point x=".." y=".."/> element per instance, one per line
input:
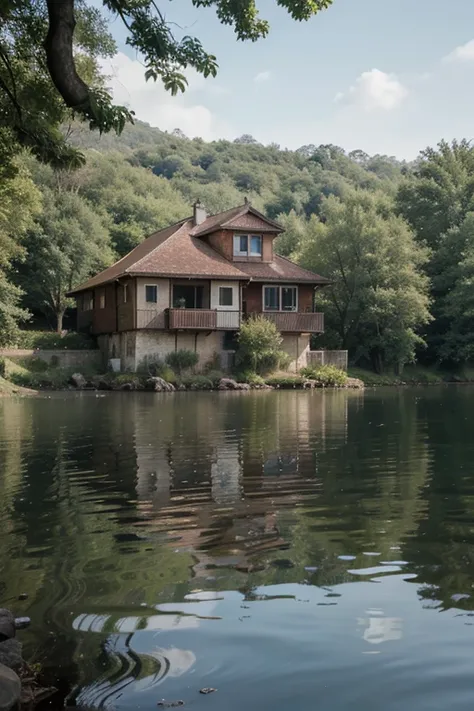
<point x="219" y="470"/>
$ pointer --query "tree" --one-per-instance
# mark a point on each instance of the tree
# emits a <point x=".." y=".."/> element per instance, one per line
<point x="379" y="297"/>
<point x="68" y="244"/>
<point x="437" y="199"/>
<point x="48" y="49"/>
<point x="20" y="201"/>
<point x="259" y="345"/>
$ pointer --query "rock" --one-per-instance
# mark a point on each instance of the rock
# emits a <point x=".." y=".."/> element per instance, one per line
<point x="170" y="704"/>
<point x="7" y="625"/>
<point x="23" y="596"/>
<point x="243" y="386"/>
<point x="354" y="383"/>
<point x="79" y="381"/>
<point x="228" y="384"/>
<point x="103" y="384"/>
<point x="10" y="688"/>
<point x="10" y="654"/>
<point x="182" y="387"/>
<point x="207" y="690"/>
<point x="159" y="385"/>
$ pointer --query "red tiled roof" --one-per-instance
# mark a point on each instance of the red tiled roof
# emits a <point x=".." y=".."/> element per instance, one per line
<point x="280" y="269"/>
<point x="243" y="217"/>
<point x="177" y="251"/>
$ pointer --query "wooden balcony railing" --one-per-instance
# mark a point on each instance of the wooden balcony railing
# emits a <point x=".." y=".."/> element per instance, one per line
<point x="203" y="319"/>
<point x="294" y="322"/>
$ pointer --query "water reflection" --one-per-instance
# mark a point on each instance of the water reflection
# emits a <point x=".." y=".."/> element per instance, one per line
<point x="166" y="541"/>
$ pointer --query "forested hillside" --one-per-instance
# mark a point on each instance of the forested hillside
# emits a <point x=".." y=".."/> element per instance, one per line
<point x="396" y="239"/>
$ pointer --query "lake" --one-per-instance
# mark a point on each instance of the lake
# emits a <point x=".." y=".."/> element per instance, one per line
<point x="293" y="550"/>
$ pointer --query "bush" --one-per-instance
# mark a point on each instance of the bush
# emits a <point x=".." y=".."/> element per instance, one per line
<point x="250" y="378"/>
<point x="182" y="360"/>
<point x="325" y="375"/>
<point x="215" y="376"/>
<point x="285" y="381"/>
<point x="259" y="345"/>
<point x="156" y="367"/>
<point x="50" y="340"/>
<point x="198" y="382"/>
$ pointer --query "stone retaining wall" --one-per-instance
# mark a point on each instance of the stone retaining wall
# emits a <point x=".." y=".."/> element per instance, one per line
<point x="61" y="358"/>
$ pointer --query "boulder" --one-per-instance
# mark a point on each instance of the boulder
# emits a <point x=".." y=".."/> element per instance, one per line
<point x="7" y="625"/>
<point x="230" y="384"/>
<point x="10" y="654"/>
<point x="79" y="381"/>
<point x="159" y="385"/>
<point x="10" y="688"/>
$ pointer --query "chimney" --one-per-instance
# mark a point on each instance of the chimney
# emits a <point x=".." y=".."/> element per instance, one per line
<point x="200" y="213"/>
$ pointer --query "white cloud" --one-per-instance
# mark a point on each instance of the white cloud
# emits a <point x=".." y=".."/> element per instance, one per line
<point x="156" y="106"/>
<point x="262" y="77"/>
<point x="463" y="53"/>
<point x="375" y="90"/>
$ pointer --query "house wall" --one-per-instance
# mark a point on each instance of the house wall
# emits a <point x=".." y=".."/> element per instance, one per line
<point x="105" y="320"/>
<point x="305" y="298"/>
<point x="126" y="310"/>
<point x="215" y="286"/>
<point x="152" y="315"/>
<point x="152" y="344"/>
<point x="253" y="295"/>
<point x="223" y="242"/>
<point x="297" y="346"/>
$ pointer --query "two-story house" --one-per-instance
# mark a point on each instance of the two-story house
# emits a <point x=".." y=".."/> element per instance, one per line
<point x="190" y="284"/>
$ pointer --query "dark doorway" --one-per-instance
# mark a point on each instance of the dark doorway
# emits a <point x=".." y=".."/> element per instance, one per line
<point x="188" y="297"/>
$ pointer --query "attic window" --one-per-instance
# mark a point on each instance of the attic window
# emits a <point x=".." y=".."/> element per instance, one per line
<point x="247" y="245"/>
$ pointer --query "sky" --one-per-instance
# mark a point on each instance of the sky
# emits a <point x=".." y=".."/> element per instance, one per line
<point x="384" y="76"/>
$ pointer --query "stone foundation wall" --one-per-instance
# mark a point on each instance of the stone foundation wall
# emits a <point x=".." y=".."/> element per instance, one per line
<point x="297" y="347"/>
<point x="60" y="358"/>
<point x="135" y="347"/>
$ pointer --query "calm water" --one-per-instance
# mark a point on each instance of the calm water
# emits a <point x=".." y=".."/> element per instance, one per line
<point x="293" y="550"/>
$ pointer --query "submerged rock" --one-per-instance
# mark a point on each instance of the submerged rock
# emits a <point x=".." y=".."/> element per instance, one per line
<point x="10" y="688"/>
<point x="10" y="653"/>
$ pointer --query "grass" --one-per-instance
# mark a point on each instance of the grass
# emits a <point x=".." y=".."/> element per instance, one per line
<point x="413" y="375"/>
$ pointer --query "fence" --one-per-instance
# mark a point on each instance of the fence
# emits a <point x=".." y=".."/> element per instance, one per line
<point x="336" y="358"/>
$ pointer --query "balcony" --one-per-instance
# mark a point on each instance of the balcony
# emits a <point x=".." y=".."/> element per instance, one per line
<point x="294" y="322"/>
<point x="203" y="320"/>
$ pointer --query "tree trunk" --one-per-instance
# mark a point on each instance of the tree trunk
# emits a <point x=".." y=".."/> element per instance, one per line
<point x="59" y="55"/>
<point x="59" y="321"/>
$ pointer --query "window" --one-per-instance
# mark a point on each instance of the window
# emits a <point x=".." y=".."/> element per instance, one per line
<point x="88" y="302"/>
<point x="280" y="298"/>
<point x="151" y="293"/>
<point x="255" y="246"/>
<point x="226" y="296"/>
<point x="288" y="298"/>
<point x="102" y="299"/>
<point x="247" y="245"/>
<point x="125" y="293"/>
<point x="188" y="297"/>
<point x="272" y="298"/>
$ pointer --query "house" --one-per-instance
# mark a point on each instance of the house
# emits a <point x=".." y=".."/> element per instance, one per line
<point x="190" y="284"/>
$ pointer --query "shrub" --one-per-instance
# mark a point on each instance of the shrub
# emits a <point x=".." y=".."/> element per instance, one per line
<point x="156" y="367"/>
<point x="215" y="376"/>
<point x="182" y="360"/>
<point x="2" y="367"/>
<point x="259" y="345"/>
<point x="198" y="382"/>
<point x="325" y="375"/>
<point x="250" y="378"/>
<point x="285" y="381"/>
<point x="50" y="340"/>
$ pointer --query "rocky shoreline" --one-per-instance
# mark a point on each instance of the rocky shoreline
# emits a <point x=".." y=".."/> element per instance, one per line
<point x="19" y="683"/>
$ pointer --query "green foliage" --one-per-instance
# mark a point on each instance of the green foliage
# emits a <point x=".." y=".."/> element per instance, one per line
<point x="325" y="375"/>
<point x="182" y="360"/>
<point x="156" y="367"/>
<point x="50" y="340"/>
<point x="378" y="301"/>
<point x="259" y="345"/>
<point x="247" y="376"/>
<point x="285" y="381"/>
<point x="198" y="382"/>
<point x="215" y="376"/>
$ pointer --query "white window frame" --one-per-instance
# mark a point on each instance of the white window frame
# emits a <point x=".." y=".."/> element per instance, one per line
<point x="152" y="286"/>
<point x="231" y="289"/>
<point x="280" y="301"/>
<point x="248" y="252"/>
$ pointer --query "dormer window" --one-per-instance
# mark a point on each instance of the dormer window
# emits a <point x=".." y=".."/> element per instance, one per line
<point x="247" y="245"/>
